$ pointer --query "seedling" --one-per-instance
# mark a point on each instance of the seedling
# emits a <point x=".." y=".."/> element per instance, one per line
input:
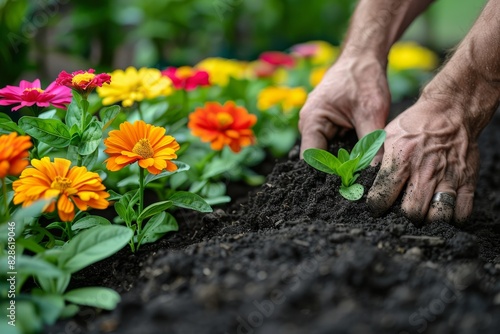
<point x="346" y="165"/>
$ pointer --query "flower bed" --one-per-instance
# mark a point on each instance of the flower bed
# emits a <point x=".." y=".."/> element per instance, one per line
<point x="182" y="135"/>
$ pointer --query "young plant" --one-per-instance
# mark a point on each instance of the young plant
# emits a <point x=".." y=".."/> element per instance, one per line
<point x="346" y="165"/>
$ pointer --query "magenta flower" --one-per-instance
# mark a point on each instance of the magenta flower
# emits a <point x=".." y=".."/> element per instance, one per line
<point x="30" y="93"/>
<point x="84" y="82"/>
<point x="276" y="58"/>
<point x="186" y="77"/>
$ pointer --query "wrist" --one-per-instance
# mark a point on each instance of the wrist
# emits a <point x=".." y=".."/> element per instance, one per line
<point x="465" y="92"/>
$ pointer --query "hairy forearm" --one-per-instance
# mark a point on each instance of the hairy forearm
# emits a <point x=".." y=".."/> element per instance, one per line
<point x="472" y="74"/>
<point x="377" y="24"/>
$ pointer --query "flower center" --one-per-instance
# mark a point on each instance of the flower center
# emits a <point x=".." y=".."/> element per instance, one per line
<point x="224" y="119"/>
<point x="39" y="90"/>
<point x="184" y="72"/>
<point x="61" y="183"/>
<point x="82" y="78"/>
<point x="144" y="148"/>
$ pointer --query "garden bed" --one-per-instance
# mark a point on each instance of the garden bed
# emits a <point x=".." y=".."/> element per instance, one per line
<point x="296" y="257"/>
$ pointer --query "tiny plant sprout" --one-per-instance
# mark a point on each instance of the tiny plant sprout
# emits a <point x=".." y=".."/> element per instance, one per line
<point x="346" y="165"/>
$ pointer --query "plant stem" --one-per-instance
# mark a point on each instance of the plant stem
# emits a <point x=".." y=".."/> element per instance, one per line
<point x="141" y="190"/>
<point x="141" y="115"/>
<point x="69" y="231"/>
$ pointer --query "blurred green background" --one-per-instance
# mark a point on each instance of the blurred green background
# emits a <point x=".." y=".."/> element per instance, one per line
<point x="41" y="38"/>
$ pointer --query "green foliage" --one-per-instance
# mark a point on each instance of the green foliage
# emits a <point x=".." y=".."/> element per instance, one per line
<point x="346" y="165"/>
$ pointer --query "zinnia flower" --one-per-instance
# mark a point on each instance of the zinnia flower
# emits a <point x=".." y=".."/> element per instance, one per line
<point x="30" y="93"/>
<point x="286" y="97"/>
<point x="65" y="187"/>
<point x="134" y="85"/>
<point x="84" y="82"/>
<point x="277" y="59"/>
<point x="320" y="52"/>
<point x="186" y="77"/>
<point x="223" y="125"/>
<point x="221" y="70"/>
<point x="410" y="55"/>
<point x="141" y="142"/>
<point x="13" y="154"/>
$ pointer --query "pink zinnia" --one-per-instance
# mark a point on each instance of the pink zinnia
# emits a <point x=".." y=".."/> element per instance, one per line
<point x="306" y="50"/>
<point x="278" y="59"/>
<point x="30" y="93"/>
<point x="83" y="82"/>
<point x="186" y="77"/>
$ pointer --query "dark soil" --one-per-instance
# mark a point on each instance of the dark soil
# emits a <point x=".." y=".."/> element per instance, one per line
<point x="295" y="257"/>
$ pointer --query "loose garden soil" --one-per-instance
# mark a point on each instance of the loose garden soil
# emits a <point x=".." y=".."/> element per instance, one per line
<point x="293" y="256"/>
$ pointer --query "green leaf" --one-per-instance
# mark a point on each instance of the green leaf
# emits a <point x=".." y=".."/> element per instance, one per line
<point x="69" y="311"/>
<point x="104" y="298"/>
<point x="108" y="114"/>
<point x="50" y="306"/>
<point x="122" y="211"/>
<point x="353" y="192"/>
<point x="218" y="200"/>
<point x="90" y="160"/>
<point x="88" y="222"/>
<point x="154" y="209"/>
<point x="217" y="167"/>
<point x="157" y="227"/>
<point x="114" y="196"/>
<point x="187" y="200"/>
<point x="343" y="155"/>
<point x="7" y="126"/>
<point x="181" y="167"/>
<point x="73" y="115"/>
<point x="367" y="147"/>
<point x="346" y="171"/>
<point x="322" y="160"/>
<point x="93" y="245"/>
<point x="29" y="265"/>
<point x="91" y="138"/>
<point x="50" y="131"/>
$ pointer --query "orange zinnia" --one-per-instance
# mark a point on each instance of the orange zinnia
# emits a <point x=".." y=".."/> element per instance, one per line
<point x="223" y="125"/>
<point x="57" y="182"/>
<point x="141" y="142"/>
<point x="13" y="154"/>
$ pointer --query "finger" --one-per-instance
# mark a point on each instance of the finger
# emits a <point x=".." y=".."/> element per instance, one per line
<point x="316" y="131"/>
<point x="387" y="185"/>
<point x="465" y="200"/>
<point x="419" y="191"/>
<point x="442" y="211"/>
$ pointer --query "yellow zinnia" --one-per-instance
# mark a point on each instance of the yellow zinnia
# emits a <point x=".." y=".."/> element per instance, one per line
<point x="410" y="55"/>
<point x="67" y="187"/>
<point x="286" y="97"/>
<point x="134" y="85"/>
<point x="221" y="69"/>
<point x="142" y="143"/>
<point x="13" y="154"/>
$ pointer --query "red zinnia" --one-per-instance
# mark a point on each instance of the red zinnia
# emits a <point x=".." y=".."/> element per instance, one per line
<point x="223" y="125"/>
<point x="30" y="93"/>
<point x="186" y="77"/>
<point x="278" y="59"/>
<point x="83" y="82"/>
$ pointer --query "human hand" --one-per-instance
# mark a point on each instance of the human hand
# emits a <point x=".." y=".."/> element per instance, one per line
<point x="353" y="94"/>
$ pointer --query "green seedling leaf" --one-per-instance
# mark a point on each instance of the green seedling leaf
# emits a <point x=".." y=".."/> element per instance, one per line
<point x="156" y="227"/>
<point x="50" y="131"/>
<point x="343" y="155"/>
<point x="187" y="200"/>
<point x="88" y="222"/>
<point x="108" y="115"/>
<point x="367" y="147"/>
<point x="28" y="265"/>
<point x="346" y="171"/>
<point x="91" y="138"/>
<point x="217" y="167"/>
<point x="122" y="211"/>
<point x="322" y="160"/>
<point x="104" y="298"/>
<point x="93" y="245"/>
<point x="50" y="306"/>
<point x="353" y="192"/>
<point x="154" y="209"/>
<point x="218" y="200"/>
<point x="181" y="167"/>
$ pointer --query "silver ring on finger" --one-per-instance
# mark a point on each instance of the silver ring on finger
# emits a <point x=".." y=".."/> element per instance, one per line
<point x="444" y="198"/>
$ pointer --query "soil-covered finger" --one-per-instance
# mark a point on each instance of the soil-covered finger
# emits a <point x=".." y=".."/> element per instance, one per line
<point x="440" y="212"/>
<point x="386" y="187"/>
